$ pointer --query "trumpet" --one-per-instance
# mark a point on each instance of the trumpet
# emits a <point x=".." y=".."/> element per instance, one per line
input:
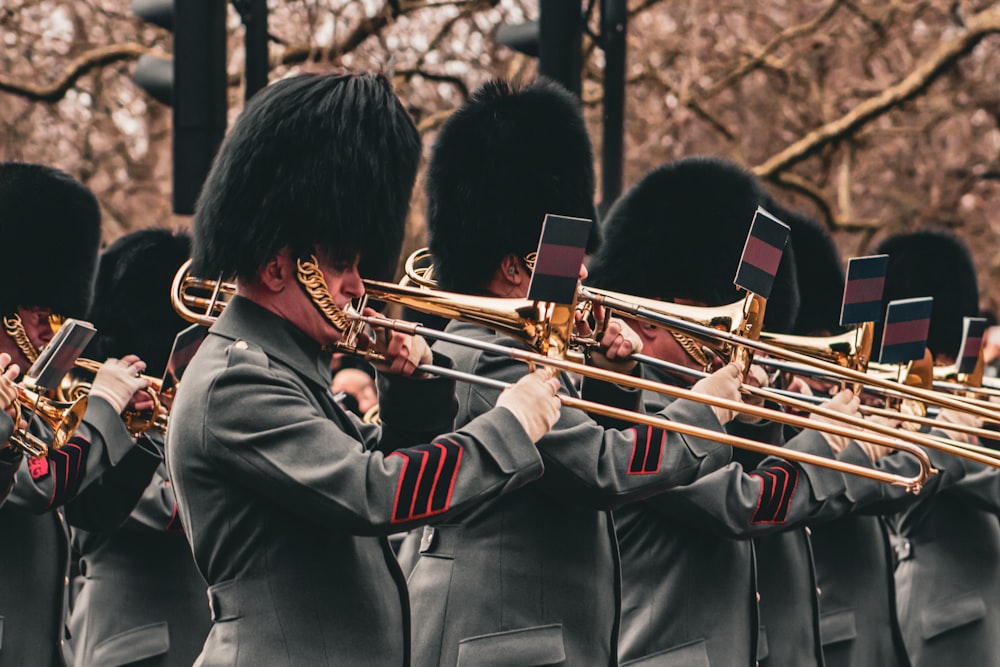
<point x="61" y="418"/>
<point x="544" y="327"/>
<point x="77" y="384"/>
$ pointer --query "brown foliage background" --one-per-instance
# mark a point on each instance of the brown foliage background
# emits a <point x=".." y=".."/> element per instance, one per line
<point x="873" y="115"/>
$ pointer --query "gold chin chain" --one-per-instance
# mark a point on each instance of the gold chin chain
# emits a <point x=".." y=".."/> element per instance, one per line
<point x="15" y="329"/>
<point x="314" y="283"/>
<point x="693" y="349"/>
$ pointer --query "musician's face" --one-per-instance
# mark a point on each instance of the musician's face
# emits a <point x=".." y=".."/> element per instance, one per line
<point x="36" y="324"/>
<point x="344" y="284"/>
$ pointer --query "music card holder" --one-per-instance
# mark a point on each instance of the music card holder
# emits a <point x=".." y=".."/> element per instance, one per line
<point x="762" y="253"/>
<point x="59" y="355"/>
<point x="558" y="260"/>
<point x="904" y="336"/>
<point x="863" y="289"/>
<point x="186" y="343"/>
<point x="973" y="331"/>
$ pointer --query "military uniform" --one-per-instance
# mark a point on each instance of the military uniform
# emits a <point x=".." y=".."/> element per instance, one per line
<point x="285" y="498"/>
<point x="33" y="598"/>
<point x="689" y="577"/>
<point x="506" y="585"/>
<point x="141" y="596"/>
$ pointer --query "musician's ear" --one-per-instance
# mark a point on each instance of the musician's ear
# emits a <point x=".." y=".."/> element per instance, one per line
<point x="275" y="272"/>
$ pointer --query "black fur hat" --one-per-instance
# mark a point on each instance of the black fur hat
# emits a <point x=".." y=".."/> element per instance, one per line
<point x="50" y="224"/>
<point x="938" y="264"/>
<point x="678" y="234"/>
<point x="502" y="161"/>
<point x="820" y="273"/>
<point x="132" y="311"/>
<point x="313" y="162"/>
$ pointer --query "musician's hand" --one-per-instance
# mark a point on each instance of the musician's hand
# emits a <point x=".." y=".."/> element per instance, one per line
<point x="723" y="383"/>
<point x="532" y="401"/>
<point x="8" y="391"/>
<point x="403" y="353"/>
<point x="875" y="452"/>
<point x="141" y="400"/>
<point x="800" y="386"/>
<point x="618" y="343"/>
<point x="756" y="377"/>
<point x="118" y="380"/>
<point x="846" y="403"/>
<point x="951" y="416"/>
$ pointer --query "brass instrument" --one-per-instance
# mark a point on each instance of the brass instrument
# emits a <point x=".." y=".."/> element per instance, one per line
<point x="62" y="419"/>
<point x="77" y="384"/>
<point x="533" y="323"/>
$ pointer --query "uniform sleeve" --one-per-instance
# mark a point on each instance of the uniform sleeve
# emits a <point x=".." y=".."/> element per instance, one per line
<point x="108" y="502"/>
<point x="777" y="495"/>
<point x="590" y="465"/>
<point x="264" y="432"/>
<point x="100" y="442"/>
<point x="10" y="461"/>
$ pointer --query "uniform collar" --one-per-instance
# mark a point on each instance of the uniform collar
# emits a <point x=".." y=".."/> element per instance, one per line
<point x="277" y="337"/>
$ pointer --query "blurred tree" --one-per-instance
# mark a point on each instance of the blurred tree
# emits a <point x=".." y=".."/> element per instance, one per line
<point x="872" y="115"/>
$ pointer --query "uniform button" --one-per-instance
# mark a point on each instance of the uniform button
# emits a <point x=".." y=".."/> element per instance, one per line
<point x="809" y="530"/>
<point x="818" y="592"/>
<point x="758" y="596"/>
<point x="241" y="345"/>
<point x="65" y="581"/>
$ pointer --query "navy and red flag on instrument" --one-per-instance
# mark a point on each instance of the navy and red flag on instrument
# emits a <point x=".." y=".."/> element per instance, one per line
<point x="60" y="355"/>
<point x="863" y="289"/>
<point x="559" y="258"/>
<point x="762" y="253"/>
<point x="904" y="336"/>
<point x="973" y="331"/>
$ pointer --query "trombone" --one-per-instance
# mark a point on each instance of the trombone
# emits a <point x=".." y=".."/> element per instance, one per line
<point x="198" y="300"/>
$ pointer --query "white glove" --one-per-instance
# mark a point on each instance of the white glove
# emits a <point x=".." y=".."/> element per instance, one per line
<point x="403" y="353"/>
<point x="723" y="383"/>
<point x="756" y="377"/>
<point x="8" y="391"/>
<point x="532" y="401"/>
<point x="951" y="416"/>
<point x="118" y="380"/>
<point x="846" y="403"/>
<point x="618" y="344"/>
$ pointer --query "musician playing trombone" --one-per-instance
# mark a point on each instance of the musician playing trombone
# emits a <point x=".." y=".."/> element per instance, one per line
<point x="52" y="223"/>
<point x="286" y="499"/>
<point x="691" y="585"/>
<point x="533" y="579"/>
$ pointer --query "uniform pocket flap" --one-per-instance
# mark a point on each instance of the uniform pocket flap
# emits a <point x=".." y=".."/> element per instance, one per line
<point x="133" y="645"/>
<point x="952" y="614"/>
<point x="837" y="626"/>
<point x="692" y="654"/>
<point x="524" y="647"/>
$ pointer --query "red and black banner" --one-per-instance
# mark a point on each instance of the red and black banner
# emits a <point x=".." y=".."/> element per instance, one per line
<point x="904" y="336"/>
<point x="973" y="330"/>
<point x="560" y="256"/>
<point x="762" y="253"/>
<point x="427" y="480"/>
<point x="777" y="487"/>
<point x="863" y="289"/>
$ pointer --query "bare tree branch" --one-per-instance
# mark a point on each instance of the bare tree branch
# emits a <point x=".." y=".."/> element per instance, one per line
<point x="79" y="66"/>
<point x="923" y="75"/>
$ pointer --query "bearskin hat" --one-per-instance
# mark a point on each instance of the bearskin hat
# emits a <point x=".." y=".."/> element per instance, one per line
<point x="933" y="263"/>
<point x="315" y="163"/>
<point x="820" y="273"/>
<point x="50" y="224"/>
<point x="502" y="161"/>
<point x="678" y="234"/>
<point x="132" y="311"/>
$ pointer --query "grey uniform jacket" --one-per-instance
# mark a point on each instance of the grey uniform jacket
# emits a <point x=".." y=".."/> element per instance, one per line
<point x="10" y="461"/>
<point x="34" y="549"/>
<point x="689" y="590"/>
<point x="286" y="500"/>
<point x="533" y="579"/>
<point x="948" y="577"/>
<point x="141" y="596"/>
